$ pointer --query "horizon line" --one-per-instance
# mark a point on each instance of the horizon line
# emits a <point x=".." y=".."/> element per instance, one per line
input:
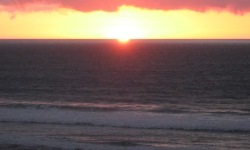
<point x="115" y="39"/>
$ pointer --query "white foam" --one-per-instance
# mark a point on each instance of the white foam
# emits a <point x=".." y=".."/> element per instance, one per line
<point x="130" y="119"/>
<point x="78" y="105"/>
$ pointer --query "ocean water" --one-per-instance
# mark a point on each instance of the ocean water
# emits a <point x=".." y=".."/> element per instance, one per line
<point x="145" y="94"/>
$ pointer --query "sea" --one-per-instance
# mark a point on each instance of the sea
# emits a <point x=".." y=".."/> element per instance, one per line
<point x="139" y="95"/>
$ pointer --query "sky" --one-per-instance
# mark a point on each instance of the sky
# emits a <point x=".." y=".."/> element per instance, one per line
<point x="124" y="19"/>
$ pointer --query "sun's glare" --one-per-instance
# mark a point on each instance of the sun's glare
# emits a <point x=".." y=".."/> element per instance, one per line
<point x="124" y="27"/>
<point x="123" y="40"/>
<point x="124" y="32"/>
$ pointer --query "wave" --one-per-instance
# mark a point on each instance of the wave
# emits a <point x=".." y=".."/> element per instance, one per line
<point x="85" y="106"/>
<point x="122" y="106"/>
<point x="128" y="119"/>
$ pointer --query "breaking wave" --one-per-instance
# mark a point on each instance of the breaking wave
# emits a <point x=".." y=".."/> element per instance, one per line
<point x="128" y="119"/>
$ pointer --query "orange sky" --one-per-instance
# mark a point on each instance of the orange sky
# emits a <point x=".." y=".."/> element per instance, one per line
<point x="147" y="19"/>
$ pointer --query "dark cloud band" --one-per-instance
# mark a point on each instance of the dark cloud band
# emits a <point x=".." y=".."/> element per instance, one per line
<point x="235" y="6"/>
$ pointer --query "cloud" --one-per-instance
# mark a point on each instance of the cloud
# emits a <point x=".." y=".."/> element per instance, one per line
<point x="27" y="5"/>
<point x="235" y="6"/>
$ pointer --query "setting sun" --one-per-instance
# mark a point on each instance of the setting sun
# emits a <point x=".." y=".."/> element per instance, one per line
<point x="123" y="40"/>
<point x="124" y="27"/>
<point x="124" y="31"/>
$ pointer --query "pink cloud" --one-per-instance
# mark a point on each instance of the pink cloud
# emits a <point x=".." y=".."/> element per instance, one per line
<point x="235" y="6"/>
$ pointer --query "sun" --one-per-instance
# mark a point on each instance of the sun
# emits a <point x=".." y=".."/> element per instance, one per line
<point x="123" y="40"/>
<point x="124" y="32"/>
<point x="124" y="28"/>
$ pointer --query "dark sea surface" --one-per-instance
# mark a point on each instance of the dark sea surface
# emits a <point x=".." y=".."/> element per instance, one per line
<point x="145" y="94"/>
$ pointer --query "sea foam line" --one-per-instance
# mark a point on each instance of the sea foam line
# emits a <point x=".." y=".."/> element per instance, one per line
<point x="130" y="119"/>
